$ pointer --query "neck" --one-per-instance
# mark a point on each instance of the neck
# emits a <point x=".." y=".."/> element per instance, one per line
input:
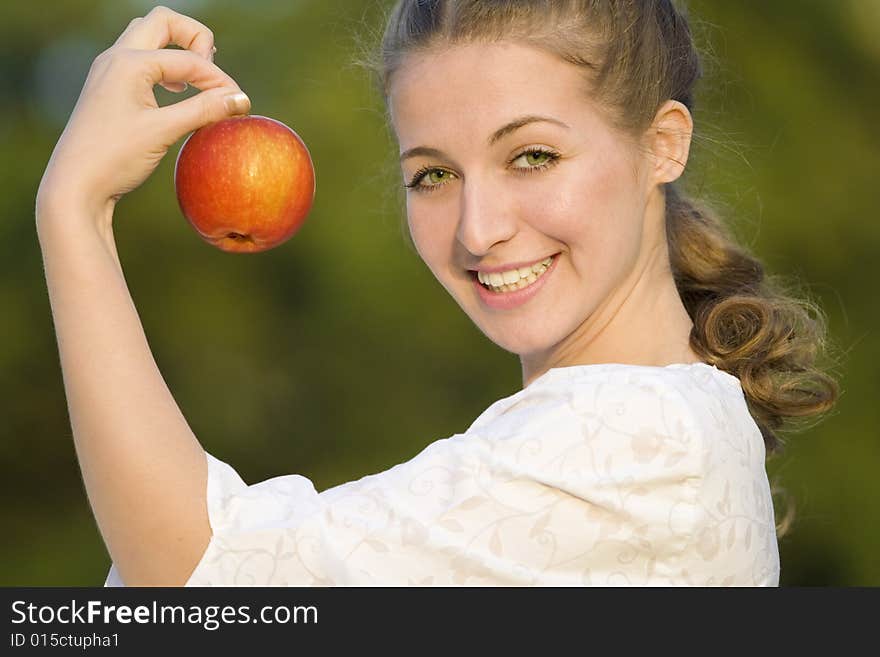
<point x="651" y="327"/>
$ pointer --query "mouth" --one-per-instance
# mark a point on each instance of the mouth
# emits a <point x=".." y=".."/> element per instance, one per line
<point x="513" y="280"/>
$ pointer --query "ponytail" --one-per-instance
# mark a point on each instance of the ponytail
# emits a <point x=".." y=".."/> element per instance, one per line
<point x="745" y="323"/>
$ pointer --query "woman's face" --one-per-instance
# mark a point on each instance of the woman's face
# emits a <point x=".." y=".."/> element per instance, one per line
<point x="491" y="197"/>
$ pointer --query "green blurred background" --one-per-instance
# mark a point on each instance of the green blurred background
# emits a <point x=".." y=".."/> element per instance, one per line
<point x="337" y="355"/>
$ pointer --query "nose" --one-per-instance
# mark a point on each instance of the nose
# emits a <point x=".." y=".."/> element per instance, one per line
<point x="486" y="219"/>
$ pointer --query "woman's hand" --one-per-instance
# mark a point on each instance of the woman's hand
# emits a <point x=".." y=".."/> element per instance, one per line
<point x="117" y="133"/>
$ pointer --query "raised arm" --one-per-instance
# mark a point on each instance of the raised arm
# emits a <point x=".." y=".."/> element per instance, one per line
<point x="143" y="468"/>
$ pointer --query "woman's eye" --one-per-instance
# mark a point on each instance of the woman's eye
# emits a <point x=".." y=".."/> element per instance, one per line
<point x="426" y="179"/>
<point x="435" y="176"/>
<point x="534" y="158"/>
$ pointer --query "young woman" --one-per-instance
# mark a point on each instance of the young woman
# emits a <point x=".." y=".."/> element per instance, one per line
<point x="539" y="144"/>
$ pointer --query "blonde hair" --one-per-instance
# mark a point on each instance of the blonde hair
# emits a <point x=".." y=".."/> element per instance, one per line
<point x="635" y="55"/>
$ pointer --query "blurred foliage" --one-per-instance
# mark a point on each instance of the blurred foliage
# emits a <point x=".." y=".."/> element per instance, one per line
<point x="337" y="355"/>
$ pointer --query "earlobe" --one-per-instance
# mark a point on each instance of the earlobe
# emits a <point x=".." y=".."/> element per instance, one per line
<point x="671" y="140"/>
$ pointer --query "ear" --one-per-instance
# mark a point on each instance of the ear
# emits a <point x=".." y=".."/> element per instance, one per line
<point x="669" y="139"/>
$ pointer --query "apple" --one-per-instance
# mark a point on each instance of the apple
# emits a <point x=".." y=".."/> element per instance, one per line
<point x="245" y="183"/>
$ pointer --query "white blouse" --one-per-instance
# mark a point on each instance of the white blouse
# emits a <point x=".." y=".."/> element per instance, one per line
<point x="602" y="475"/>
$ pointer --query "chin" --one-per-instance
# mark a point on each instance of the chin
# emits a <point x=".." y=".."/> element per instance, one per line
<point x="521" y="343"/>
<point x="530" y="334"/>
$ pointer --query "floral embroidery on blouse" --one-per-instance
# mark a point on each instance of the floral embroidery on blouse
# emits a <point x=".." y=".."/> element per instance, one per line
<point x="608" y="475"/>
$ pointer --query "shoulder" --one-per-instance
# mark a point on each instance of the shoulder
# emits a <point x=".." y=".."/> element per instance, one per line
<point x="622" y="401"/>
<point x="628" y="421"/>
<point x="672" y="449"/>
<point x="683" y="420"/>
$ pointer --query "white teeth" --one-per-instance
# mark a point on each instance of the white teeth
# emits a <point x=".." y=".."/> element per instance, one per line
<point x="514" y="279"/>
<point x="541" y="265"/>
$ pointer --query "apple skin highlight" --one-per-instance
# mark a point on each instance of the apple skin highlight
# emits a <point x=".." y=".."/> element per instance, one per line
<point x="245" y="184"/>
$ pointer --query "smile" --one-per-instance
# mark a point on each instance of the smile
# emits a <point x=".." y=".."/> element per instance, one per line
<point x="514" y="279"/>
<point x="500" y="295"/>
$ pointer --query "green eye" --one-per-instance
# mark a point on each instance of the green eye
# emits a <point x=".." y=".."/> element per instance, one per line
<point x="416" y="182"/>
<point x="535" y="157"/>
<point x="537" y="160"/>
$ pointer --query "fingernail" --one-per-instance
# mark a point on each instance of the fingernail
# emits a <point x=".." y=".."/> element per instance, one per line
<point x="213" y="51"/>
<point x="238" y="103"/>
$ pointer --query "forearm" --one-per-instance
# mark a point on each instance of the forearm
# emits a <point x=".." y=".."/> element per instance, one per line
<point x="144" y="470"/>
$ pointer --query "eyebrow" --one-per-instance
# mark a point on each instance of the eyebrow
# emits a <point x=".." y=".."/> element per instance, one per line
<point x="503" y="131"/>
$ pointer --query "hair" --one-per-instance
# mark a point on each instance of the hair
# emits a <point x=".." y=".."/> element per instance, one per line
<point x="635" y="55"/>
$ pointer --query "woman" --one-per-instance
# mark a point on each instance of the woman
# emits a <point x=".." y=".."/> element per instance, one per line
<point x="540" y="143"/>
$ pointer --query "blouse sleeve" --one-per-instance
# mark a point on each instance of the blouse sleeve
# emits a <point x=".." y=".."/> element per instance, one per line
<point x="571" y="486"/>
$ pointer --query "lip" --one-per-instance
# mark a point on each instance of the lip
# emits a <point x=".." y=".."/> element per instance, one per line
<point x="513" y="265"/>
<point x="509" y="300"/>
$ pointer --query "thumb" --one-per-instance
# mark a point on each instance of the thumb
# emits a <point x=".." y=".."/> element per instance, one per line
<point x="205" y="107"/>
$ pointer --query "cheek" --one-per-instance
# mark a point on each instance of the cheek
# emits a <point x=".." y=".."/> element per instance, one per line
<point x="593" y="212"/>
<point x="428" y="236"/>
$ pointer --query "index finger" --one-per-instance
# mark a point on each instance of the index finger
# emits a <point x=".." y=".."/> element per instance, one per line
<point x="162" y="26"/>
<point x="183" y="66"/>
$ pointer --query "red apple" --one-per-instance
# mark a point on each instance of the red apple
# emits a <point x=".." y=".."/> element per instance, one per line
<point x="245" y="183"/>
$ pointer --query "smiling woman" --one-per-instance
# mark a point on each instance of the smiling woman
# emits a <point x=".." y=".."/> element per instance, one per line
<point x="592" y="202"/>
<point x="540" y="144"/>
<point x="643" y="274"/>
